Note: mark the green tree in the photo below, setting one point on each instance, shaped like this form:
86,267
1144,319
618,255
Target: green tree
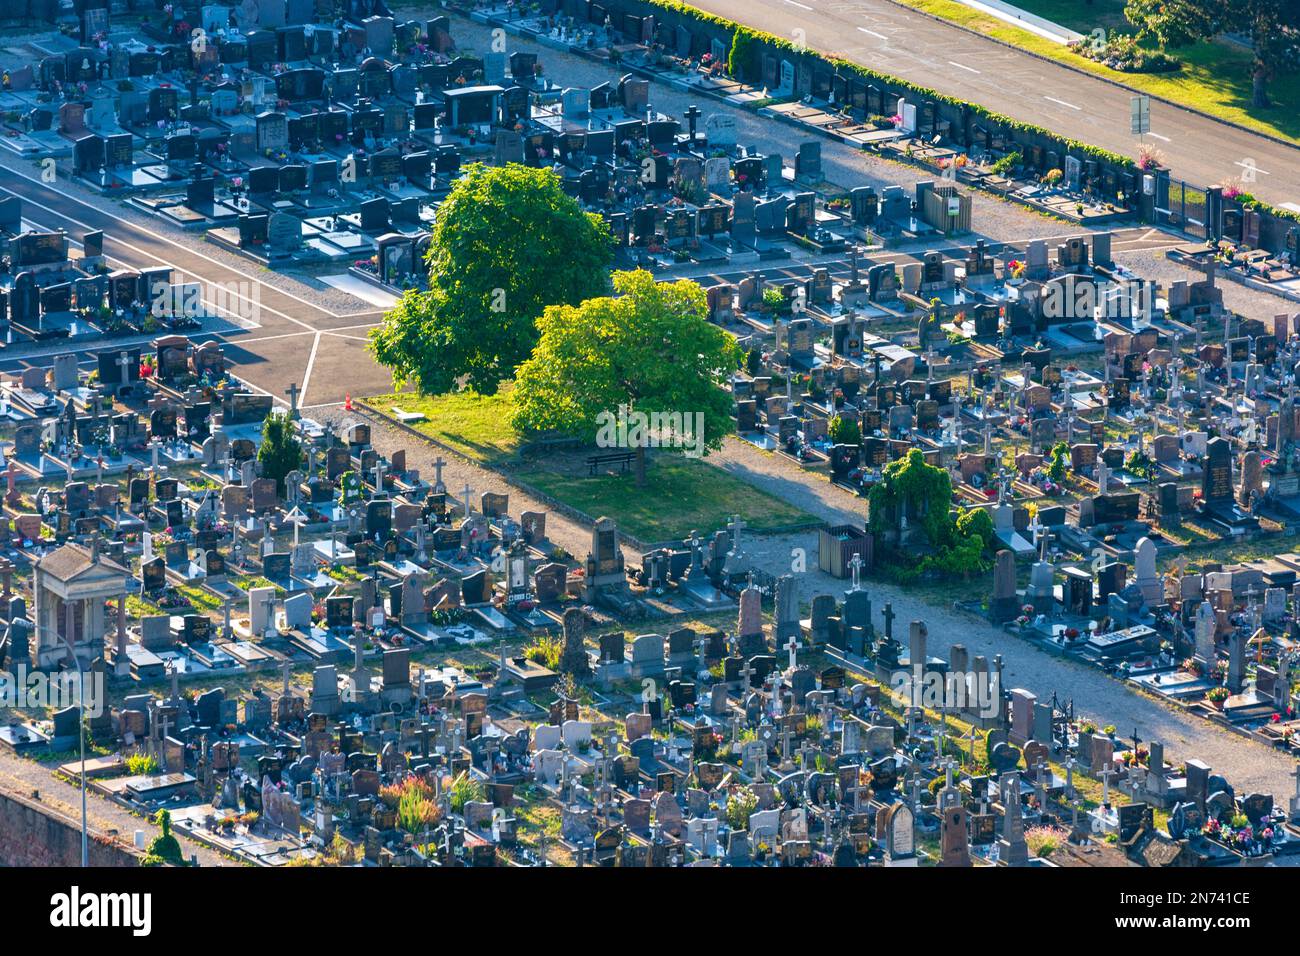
508,242
281,451
844,431
1273,27
650,349
1057,466
164,848
959,540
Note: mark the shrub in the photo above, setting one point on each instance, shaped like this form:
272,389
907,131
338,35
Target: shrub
740,805
1007,163
1121,52
164,848
546,651
142,765
465,789
1044,841
844,431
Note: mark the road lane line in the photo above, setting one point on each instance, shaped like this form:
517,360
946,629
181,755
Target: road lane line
1252,166
311,361
963,66
161,238
1062,102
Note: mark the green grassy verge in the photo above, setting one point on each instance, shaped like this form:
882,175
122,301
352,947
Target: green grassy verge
680,494
1215,78
473,425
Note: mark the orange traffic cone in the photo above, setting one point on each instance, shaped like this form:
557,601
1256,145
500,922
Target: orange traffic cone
347,402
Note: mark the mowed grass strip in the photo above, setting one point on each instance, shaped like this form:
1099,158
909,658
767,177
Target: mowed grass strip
680,494
477,426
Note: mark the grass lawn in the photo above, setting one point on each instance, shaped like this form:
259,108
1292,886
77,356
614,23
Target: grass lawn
680,495
1215,78
472,424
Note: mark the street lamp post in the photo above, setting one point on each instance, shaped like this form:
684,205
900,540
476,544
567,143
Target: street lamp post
81,734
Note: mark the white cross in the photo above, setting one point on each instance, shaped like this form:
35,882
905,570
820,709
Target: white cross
297,519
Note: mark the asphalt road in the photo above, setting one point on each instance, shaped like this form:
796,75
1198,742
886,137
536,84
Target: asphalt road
289,338
886,37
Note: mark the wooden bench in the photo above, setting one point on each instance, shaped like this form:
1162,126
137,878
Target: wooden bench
622,459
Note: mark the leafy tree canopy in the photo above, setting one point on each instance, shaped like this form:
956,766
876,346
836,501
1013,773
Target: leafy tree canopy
1273,27
649,348
507,243
281,451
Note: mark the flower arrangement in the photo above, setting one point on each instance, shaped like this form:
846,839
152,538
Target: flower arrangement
1149,157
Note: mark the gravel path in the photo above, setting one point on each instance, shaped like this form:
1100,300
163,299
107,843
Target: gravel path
25,776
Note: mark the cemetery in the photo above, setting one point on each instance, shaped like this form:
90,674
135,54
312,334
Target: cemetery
351,663
319,649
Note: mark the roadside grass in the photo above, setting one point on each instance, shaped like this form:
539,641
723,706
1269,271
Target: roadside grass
1215,78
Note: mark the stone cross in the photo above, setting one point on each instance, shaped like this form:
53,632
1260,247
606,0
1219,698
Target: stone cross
735,526
1105,786
438,486
124,363
792,646
467,491
855,567
293,391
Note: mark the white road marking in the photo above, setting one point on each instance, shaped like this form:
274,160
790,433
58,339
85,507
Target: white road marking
963,66
796,3
1158,136
311,361
1062,102
171,242
873,33
1252,166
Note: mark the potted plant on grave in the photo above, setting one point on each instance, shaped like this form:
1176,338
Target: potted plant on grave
1217,696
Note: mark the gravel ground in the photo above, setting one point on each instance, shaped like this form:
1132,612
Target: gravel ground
24,776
